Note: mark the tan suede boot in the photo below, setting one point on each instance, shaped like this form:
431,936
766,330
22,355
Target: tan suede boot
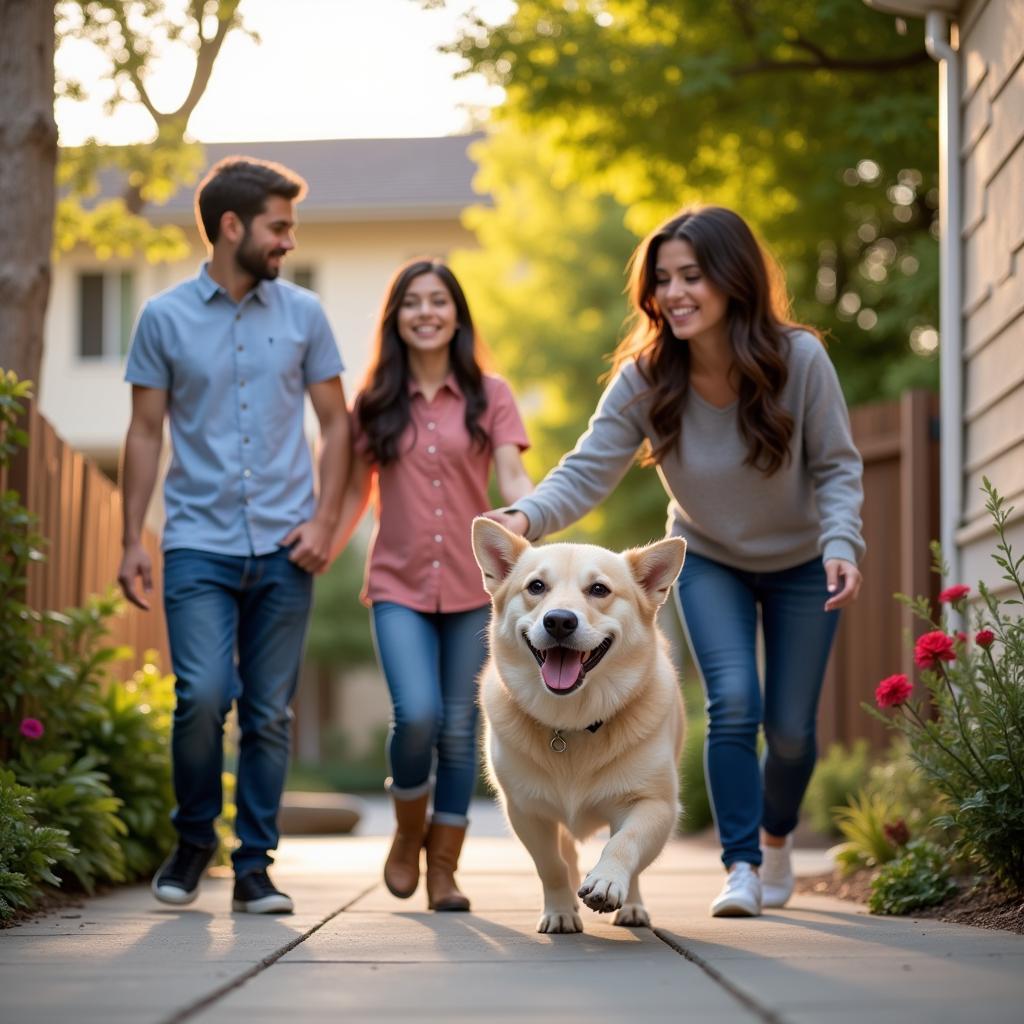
402,867
444,844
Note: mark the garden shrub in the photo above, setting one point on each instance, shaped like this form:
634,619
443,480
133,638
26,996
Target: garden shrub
919,877
837,776
972,751
28,851
868,824
693,792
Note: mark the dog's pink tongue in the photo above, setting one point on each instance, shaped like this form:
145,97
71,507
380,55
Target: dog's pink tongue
562,667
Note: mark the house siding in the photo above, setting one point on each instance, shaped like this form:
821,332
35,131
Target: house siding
992,154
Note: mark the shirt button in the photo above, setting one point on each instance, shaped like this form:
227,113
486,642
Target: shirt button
241,383
431,426
432,449
247,473
436,564
437,483
245,405
438,512
437,537
245,440
238,316
241,348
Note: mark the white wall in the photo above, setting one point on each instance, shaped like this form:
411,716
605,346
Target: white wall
89,403
992,98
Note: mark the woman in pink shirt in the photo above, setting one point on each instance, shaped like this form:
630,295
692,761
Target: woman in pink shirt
427,426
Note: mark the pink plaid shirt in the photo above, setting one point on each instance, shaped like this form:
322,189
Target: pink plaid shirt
420,555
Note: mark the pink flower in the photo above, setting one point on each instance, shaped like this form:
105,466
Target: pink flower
892,691
984,638
31,728
955,593
933,647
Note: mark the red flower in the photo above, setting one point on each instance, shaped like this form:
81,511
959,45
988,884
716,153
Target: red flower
892,691
933,647
955,593
984,638
897,832
31,728
961,636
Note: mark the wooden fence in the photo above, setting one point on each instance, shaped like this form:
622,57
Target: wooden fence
79,510
899,444
79,514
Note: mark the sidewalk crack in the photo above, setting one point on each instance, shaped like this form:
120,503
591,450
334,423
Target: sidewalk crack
761,1012
188,1012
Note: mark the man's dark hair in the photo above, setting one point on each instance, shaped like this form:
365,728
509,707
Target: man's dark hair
242,185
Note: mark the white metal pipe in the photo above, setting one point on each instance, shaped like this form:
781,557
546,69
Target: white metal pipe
950,278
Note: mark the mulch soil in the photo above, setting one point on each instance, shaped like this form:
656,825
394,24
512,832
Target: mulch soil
976,903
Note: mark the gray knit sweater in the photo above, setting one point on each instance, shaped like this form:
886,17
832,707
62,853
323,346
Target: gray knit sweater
727,511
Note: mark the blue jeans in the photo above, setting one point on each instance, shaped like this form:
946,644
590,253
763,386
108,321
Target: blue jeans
236,627
719,608
431,661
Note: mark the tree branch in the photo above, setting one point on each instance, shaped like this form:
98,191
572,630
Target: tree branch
824,62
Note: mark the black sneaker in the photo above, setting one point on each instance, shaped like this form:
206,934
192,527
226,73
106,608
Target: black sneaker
177,881
255,894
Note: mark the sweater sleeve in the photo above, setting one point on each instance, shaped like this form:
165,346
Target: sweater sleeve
590,472
833,462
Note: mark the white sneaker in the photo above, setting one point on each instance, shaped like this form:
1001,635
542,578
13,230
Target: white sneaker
777,879
741,894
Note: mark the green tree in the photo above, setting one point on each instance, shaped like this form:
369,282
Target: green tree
816,119
547,292
129,33
129,36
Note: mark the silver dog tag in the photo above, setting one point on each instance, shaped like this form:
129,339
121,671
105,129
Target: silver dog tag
558,744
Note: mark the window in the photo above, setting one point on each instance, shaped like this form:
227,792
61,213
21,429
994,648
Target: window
303,276
106,313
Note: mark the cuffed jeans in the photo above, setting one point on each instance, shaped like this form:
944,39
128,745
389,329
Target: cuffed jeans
431,661
719,608
236,627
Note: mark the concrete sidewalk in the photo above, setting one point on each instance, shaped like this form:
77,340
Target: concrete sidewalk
352,952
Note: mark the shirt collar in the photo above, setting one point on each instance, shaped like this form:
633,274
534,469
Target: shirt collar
449,382
208,288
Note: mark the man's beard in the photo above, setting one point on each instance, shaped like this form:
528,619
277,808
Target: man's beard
254,263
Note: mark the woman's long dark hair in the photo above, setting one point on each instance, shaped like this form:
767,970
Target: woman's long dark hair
383,407
730,257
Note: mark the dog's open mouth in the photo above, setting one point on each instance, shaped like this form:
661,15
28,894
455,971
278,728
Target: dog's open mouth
563,668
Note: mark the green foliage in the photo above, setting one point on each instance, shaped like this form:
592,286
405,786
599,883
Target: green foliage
76,796
972,751
342,772
127,36
546,288
131,738
920,877
693,792
911,796
92,750
339,629
28,852
816,120
862,823
837,776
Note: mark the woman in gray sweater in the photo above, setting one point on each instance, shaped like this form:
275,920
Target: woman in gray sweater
742,415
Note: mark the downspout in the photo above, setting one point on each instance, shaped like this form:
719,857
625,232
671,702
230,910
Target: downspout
950,301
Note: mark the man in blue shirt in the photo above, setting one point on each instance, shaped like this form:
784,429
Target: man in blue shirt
228,358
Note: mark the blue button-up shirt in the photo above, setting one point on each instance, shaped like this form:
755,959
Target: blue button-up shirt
241,476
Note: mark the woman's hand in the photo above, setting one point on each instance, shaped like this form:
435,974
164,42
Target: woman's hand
514,522
843,579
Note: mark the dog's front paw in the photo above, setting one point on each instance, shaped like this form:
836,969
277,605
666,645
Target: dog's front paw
633,915
560,923
602,894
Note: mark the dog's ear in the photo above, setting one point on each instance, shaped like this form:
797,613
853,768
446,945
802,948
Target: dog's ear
656,566
496,551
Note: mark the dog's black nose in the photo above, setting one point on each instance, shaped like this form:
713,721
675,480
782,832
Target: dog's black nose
561,623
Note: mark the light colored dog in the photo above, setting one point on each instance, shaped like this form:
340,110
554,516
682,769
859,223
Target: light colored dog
584,719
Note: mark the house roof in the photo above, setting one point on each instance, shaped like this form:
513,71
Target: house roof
355,179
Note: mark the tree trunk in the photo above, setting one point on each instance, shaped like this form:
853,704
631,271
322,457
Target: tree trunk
28,161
